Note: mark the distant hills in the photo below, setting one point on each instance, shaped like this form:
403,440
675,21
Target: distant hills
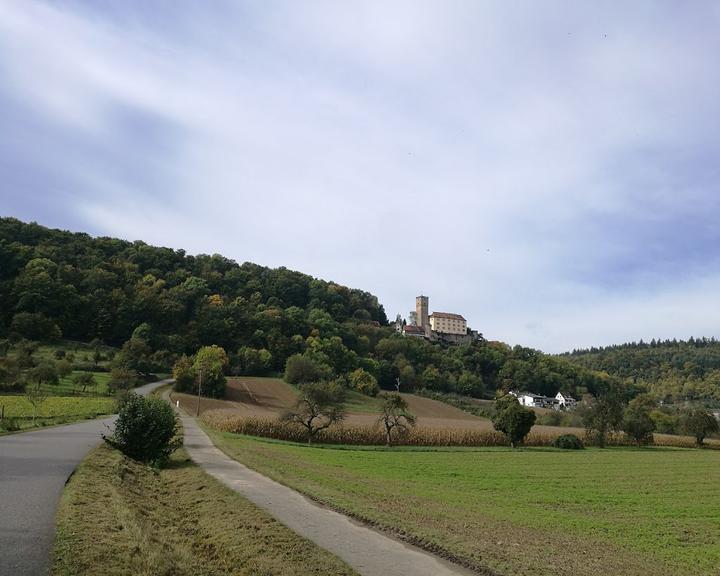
670,369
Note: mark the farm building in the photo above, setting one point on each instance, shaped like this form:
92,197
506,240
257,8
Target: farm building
565,402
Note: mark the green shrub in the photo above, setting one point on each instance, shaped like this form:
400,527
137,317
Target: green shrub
568,442
512,419
146,430
300,369
363,382
9,424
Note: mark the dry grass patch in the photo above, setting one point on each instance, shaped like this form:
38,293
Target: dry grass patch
118,517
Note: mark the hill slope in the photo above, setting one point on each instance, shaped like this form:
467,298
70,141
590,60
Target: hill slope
163,303
670,369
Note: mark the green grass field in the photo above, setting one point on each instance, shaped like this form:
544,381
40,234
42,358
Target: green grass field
66,386
54,410
533,511
120,518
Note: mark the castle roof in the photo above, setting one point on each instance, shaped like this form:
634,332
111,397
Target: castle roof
413,329
447,315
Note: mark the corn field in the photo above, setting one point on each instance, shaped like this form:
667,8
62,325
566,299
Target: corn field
225,421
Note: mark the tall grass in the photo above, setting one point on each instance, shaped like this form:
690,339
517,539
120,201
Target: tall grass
226,421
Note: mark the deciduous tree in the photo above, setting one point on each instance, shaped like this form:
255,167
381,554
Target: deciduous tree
637,422
606,412
210,364
699,423
396,417
320,405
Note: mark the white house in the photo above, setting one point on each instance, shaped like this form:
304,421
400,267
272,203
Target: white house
565,402
532,400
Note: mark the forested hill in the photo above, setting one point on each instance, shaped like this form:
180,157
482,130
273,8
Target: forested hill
670,369
160,304
104,288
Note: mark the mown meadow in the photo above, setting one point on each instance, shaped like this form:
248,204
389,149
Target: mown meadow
539,511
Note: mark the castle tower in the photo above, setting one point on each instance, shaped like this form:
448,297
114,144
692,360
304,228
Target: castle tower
422,307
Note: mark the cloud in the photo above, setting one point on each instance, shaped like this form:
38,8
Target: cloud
548,171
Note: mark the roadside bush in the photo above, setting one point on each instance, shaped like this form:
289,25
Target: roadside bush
146,430
568,442
9,424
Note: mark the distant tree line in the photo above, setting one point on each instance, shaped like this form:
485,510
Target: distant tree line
671,370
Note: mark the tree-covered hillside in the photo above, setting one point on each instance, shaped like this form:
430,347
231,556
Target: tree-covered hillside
160,304
105,288
669,369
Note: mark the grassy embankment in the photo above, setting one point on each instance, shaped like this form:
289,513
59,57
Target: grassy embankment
118,517
618,511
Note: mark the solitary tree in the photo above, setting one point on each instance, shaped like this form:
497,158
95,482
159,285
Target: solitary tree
395,415
699,423
122,379
64,368
45,373
320,405
637,422
96,345
512,419
36,397
84,379
605,413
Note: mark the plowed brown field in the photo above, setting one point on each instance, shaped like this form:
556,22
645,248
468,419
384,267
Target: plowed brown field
268,397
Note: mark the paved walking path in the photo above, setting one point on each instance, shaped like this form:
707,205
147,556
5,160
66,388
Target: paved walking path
34,467
369,552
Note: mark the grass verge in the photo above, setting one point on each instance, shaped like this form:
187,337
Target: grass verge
118,517
620,511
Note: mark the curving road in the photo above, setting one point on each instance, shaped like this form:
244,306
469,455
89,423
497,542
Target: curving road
34,467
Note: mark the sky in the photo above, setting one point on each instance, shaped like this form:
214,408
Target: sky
549,170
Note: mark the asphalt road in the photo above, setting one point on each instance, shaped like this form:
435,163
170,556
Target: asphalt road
34,467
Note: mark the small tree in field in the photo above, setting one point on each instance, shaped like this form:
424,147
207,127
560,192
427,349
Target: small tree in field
637,422
605,413
36,397
395,416
321,404
512,419
698,423
122,379
83,380
45,373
